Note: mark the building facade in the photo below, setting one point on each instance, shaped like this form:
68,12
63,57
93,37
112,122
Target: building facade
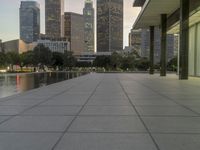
135,39
74,32
88,14
144,51
139,39
29,21
55,45
18,46
54,18
109,25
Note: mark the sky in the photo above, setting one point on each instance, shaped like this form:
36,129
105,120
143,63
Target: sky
9,14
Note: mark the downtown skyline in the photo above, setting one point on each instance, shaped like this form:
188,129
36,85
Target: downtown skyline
9,28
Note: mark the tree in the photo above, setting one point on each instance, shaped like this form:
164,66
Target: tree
128,62
69,60
142,64
2,59
12,59
57,60
84,64
22,61
103,61
42,55
172,64
28,58
116,60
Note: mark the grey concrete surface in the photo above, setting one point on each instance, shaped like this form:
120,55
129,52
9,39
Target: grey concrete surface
104,112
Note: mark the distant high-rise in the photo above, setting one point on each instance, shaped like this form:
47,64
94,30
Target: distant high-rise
139,39
88,14
29,21
54,18
74,32
109,25
135,39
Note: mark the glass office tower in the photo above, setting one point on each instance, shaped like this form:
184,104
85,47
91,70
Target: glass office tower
29,21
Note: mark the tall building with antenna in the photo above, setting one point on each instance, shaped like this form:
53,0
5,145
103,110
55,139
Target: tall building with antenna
88,14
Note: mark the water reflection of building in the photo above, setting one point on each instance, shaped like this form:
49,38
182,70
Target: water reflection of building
29,21
25,82
54,13
88,13
74,32
109,25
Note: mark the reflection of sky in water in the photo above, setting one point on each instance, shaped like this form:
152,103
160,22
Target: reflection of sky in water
16,83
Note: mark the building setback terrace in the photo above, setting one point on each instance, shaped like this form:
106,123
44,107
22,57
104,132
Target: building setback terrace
104,112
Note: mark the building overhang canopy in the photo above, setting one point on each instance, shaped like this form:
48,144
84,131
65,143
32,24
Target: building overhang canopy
138,3
151,11
194,18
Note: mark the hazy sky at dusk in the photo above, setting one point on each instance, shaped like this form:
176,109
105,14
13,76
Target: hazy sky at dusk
9,14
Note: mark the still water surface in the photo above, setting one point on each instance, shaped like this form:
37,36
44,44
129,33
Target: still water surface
11,84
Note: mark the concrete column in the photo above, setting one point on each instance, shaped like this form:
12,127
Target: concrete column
163,44
184,39
151,56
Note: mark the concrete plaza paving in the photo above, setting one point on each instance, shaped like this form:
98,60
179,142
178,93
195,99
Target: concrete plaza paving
104,112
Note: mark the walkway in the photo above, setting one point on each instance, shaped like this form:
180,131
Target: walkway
104,112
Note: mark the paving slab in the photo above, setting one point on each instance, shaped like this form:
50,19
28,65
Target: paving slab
108,110
173,124
28,141
195,108
36,124
110,102
178,141
67,100
12,110
164,111
53,110
20,102
157,102
100,141
107,124
3,118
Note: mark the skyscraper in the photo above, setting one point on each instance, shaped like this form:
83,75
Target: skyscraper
109,25
54,18
74,32
88,14
29,21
